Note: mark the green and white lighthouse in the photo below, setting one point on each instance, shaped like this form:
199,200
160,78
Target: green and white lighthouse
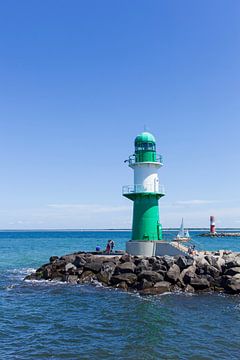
145,193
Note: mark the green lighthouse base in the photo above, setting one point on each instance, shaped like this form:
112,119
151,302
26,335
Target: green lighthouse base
152,248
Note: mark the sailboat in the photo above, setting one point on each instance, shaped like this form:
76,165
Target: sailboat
183,235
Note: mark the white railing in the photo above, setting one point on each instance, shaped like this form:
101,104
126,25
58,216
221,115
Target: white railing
147,188
132,159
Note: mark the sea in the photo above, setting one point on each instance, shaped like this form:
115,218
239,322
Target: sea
53,320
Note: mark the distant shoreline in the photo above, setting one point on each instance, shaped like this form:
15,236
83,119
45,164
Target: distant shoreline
106,230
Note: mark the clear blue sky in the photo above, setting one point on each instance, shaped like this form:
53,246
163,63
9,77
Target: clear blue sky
80,79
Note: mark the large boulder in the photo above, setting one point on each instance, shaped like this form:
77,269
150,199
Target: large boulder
151,276
199,283
233,285
70,268
79,261
129,278
168,261
72,279
232,262
173,273
187,274
189,289
87,277
47,272
159,265
59,264
53,258
184,261
200,261
106,272
122,285
232,271
125,258
144,284
127,267
220,263
94,266
213,271
68,258
159,288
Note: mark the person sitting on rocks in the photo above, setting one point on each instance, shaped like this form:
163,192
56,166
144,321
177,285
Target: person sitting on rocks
190,250
98,248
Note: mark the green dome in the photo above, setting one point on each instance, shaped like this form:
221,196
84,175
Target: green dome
145,137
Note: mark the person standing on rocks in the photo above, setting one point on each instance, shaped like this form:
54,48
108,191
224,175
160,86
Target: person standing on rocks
108,247
112,244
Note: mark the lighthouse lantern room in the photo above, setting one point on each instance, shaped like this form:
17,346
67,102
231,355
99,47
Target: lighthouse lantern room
145,193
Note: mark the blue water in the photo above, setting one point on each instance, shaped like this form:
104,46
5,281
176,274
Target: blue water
42,320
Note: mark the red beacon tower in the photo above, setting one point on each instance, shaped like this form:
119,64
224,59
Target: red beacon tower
212,225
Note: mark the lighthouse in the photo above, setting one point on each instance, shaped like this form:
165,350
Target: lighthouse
212,225
145,194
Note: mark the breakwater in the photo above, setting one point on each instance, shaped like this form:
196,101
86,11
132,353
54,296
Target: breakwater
213,271
222,234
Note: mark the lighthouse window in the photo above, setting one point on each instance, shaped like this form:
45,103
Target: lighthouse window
145,147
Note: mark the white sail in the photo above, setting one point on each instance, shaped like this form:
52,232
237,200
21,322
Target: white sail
181,232
187,234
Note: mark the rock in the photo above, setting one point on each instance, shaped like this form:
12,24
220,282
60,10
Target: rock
187,274
151,260
168,261
159,288
144,284
161,272
184,261
216,283
220,263
199,283
122,285
236,277
79,261
201,261
59,264
189,289
125,258
158,265
53,258
68,258
233,285
87,277
94,266
106,272
212,260
47,273
69,267
72,279
173,273
233,262
163,268
129,278
211,270
233,271
140,268
138,260
151,276
127,267
163,284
